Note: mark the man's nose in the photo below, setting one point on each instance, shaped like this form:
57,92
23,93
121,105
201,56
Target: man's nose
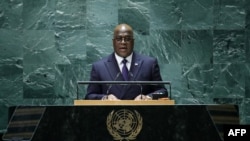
123,40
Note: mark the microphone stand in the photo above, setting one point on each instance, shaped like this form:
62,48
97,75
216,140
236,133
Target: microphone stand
124,83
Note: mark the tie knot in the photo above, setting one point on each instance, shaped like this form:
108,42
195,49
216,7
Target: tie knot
124,61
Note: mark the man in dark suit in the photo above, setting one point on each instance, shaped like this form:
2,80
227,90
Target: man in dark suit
124,60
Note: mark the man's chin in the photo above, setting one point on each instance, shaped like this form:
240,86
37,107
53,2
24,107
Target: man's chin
123,55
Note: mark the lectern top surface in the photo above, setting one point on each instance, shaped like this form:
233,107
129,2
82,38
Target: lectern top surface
123,102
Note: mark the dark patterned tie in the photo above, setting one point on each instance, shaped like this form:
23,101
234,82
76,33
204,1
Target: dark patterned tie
125,70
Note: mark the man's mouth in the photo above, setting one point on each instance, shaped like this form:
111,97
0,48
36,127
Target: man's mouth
123,48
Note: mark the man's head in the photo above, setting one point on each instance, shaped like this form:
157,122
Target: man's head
123,40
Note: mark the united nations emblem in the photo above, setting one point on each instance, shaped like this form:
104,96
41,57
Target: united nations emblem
124,124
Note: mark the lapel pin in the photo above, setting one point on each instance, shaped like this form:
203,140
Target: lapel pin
136,64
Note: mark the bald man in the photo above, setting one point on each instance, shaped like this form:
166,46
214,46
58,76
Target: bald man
124,65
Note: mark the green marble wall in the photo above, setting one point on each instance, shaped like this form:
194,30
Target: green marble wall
47,45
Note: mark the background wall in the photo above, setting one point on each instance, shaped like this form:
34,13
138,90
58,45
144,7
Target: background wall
47,45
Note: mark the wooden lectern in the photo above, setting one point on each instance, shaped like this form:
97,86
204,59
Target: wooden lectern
123,102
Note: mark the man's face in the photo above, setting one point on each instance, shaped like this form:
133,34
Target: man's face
123,42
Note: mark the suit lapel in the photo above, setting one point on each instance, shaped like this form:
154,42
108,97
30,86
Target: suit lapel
135,66
113,69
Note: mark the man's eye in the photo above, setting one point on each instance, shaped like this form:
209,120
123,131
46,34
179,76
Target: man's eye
125,39
118,39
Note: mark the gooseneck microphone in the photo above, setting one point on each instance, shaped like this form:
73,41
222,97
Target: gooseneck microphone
140,85
110,86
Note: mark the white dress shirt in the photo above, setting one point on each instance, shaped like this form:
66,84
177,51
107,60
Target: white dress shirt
119,61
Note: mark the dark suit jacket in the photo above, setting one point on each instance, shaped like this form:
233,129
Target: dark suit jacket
143,68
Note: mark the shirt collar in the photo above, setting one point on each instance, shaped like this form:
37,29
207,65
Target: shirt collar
119,58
